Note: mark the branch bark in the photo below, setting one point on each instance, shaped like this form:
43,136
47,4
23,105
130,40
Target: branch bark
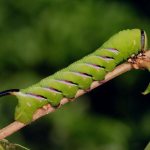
139,63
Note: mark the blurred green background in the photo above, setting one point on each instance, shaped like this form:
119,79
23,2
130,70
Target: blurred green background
39,37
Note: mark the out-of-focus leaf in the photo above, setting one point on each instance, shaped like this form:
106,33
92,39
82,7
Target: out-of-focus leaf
147,147
147,91
6,145
39,37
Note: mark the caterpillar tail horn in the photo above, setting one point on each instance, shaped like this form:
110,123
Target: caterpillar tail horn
8,92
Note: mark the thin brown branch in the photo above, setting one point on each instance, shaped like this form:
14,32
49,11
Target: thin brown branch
140,64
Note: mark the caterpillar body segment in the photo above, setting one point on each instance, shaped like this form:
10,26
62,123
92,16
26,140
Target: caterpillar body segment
79,75
27,105
82,80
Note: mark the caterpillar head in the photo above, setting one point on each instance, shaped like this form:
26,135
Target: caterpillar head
144,42
127,42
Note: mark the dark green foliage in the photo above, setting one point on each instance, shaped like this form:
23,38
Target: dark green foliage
39,37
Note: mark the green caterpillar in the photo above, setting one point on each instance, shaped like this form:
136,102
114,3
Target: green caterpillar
79,75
